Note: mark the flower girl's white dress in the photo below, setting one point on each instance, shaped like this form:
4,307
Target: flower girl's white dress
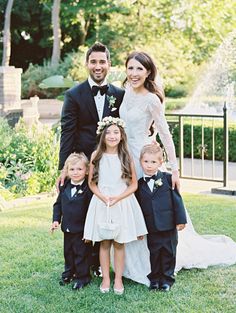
194,250
126,213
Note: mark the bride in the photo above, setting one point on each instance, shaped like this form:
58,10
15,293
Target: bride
143,104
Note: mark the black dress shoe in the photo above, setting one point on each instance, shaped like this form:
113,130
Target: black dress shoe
65,281
154,286
79,285
165,287
97,272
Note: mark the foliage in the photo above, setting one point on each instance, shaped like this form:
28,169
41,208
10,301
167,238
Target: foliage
32,262
29,160
181,35
34,76
172,104
72,68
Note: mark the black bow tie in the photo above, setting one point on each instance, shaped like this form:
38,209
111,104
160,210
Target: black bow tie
78,187
148,178
103,90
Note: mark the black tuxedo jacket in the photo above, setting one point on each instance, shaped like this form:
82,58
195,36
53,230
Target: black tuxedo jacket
163,208
79,119
71,212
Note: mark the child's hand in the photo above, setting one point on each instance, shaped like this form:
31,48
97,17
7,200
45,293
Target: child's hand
113,200
105,199
87,241
180,227
140,237
54,226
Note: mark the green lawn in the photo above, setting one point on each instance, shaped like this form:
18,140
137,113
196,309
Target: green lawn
31,262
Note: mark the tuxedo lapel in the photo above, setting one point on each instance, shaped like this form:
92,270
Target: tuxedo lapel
158,189
87,97
68,191
107,110
146,188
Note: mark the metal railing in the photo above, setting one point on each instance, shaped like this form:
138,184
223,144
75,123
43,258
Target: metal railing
199,119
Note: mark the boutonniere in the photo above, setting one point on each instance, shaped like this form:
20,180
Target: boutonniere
111,102
158,182
80,191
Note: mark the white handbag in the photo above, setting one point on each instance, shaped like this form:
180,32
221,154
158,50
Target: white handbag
108,230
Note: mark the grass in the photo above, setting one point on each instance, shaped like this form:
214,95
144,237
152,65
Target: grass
31,261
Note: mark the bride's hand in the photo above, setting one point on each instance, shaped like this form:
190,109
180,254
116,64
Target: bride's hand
175,180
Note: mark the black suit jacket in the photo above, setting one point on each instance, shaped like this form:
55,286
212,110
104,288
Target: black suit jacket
79,119
163,208
71,212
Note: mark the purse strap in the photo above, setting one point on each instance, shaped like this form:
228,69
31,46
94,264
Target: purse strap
108,212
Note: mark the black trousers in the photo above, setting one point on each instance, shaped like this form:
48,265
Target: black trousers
95,263
77,256
162,246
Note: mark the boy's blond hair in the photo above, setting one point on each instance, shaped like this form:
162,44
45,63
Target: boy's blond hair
153,148
74,158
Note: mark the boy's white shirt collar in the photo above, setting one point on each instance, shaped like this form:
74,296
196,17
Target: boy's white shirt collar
78,183
144,175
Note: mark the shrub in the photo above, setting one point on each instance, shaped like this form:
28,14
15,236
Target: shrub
33,77
72,66
29,161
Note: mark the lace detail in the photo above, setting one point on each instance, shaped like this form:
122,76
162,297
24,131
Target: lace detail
138,112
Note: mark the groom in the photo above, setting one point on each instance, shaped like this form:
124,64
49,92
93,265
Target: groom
84,105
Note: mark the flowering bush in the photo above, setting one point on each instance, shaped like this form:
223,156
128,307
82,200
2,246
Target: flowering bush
28,159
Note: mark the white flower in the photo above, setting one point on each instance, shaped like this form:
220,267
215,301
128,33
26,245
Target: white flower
112,102
158,182
107,121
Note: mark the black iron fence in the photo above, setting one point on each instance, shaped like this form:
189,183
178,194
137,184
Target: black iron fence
206,122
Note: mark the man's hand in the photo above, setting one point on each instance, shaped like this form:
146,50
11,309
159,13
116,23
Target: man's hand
175,180
60,180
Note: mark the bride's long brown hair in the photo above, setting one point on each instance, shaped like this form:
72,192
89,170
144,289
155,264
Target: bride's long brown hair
123,155
149,65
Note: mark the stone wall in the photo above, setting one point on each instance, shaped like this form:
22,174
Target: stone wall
10,88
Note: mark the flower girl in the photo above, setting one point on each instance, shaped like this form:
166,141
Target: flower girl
114,215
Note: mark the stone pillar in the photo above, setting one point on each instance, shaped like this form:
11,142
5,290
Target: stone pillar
30,111
10,89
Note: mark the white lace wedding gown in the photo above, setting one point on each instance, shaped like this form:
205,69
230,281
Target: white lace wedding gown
194,250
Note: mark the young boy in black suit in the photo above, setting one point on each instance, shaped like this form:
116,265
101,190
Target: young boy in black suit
164,213
70,210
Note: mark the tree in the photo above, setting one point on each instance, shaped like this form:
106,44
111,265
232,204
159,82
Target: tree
7,35
56,52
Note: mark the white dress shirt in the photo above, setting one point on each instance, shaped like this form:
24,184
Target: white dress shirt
99,99
73,190
151,182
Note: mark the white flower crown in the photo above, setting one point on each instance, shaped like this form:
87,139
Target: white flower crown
107,121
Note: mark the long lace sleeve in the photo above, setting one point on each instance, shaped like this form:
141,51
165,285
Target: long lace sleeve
157,111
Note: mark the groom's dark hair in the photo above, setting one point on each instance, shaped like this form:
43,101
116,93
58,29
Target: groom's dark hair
98,47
